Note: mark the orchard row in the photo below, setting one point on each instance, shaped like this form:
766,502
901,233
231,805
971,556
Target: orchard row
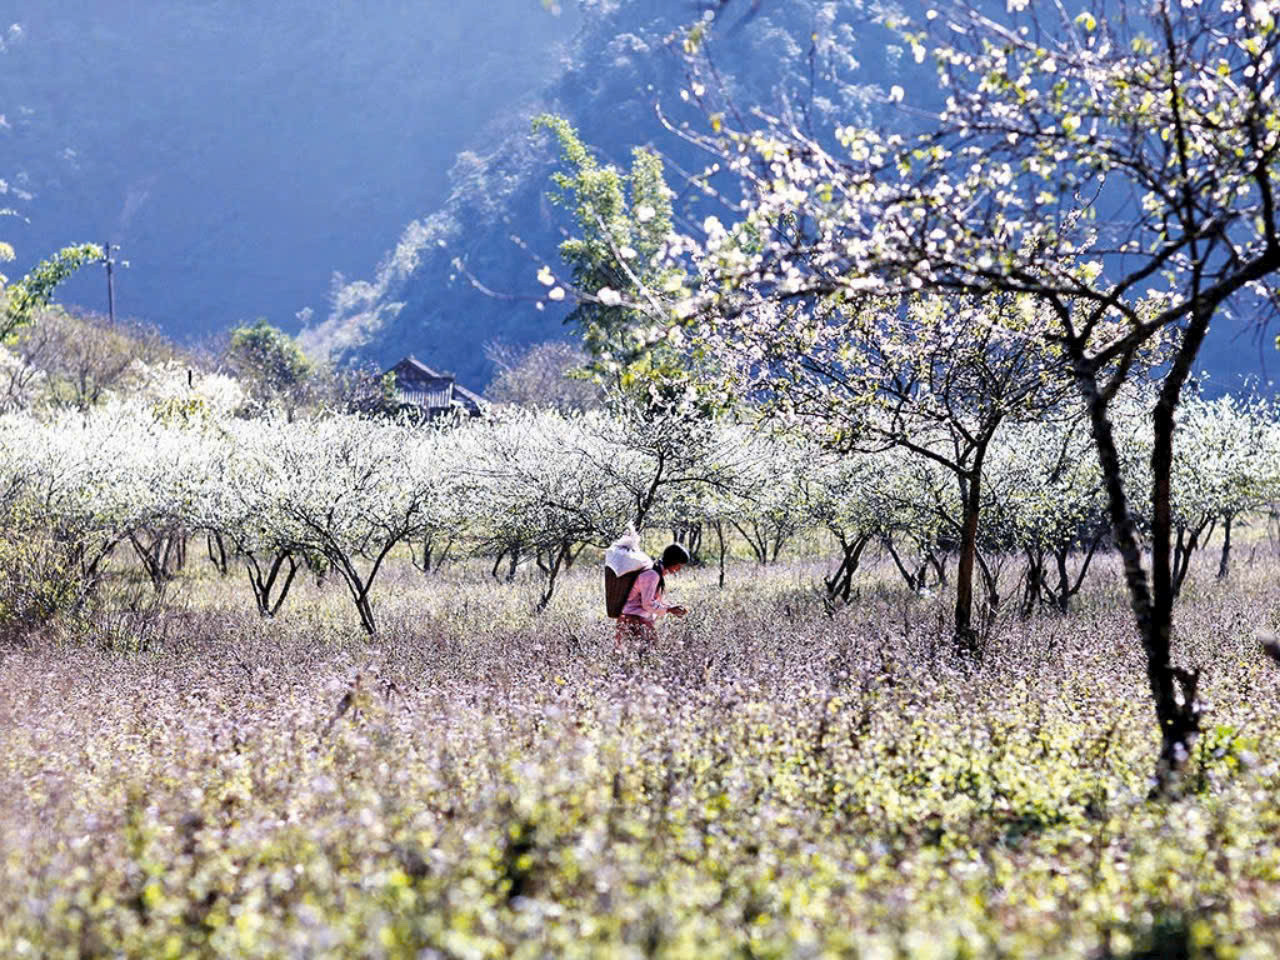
534,488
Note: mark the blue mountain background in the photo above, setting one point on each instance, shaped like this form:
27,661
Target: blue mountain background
357,173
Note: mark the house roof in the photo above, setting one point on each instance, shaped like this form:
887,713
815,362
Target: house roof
476,399
419,384
413,365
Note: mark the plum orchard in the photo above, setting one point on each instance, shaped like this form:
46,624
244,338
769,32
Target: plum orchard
1111,174
531,489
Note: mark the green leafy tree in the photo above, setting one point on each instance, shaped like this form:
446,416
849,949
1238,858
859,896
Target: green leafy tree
271,364
622,274
24,299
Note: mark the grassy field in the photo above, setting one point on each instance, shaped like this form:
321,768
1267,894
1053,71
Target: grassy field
769,781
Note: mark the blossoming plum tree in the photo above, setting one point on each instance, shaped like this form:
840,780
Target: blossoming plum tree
937,377
1227,463
347,489
83,484
1120,167
852,497
531,487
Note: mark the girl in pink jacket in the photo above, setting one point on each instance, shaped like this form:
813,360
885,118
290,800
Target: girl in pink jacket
636,623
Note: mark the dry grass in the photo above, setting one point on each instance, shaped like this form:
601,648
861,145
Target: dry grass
767,781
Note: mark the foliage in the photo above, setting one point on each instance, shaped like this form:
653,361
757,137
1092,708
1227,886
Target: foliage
548,376
39,581
23,299
270,364
619,261
71,360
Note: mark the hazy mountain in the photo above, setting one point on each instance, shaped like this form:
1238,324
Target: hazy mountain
242,154
624,62
833,62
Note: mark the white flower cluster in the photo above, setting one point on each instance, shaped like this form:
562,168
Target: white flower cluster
536,486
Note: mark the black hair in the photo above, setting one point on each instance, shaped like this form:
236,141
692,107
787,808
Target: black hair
674,554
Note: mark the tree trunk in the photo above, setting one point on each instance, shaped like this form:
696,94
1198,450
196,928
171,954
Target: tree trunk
966,638
690,537
263,584
365,610
695,544
912,581
1179,719
434,554
1184,547
645,500
1152,602
839,584
1224,563
155,555
1034,593
720,538
1066,589
359,586
759,547
556,558
512,556
90,566
217,552
778,543
939,565
991,594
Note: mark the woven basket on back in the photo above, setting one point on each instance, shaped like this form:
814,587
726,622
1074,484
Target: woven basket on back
623,562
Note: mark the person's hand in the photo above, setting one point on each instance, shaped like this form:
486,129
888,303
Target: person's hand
677,611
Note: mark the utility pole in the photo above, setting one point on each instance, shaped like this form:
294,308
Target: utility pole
111,285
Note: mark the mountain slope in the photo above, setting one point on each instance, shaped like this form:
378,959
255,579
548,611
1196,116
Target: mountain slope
623,63
241,153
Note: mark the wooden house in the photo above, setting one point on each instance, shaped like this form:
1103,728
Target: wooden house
433,394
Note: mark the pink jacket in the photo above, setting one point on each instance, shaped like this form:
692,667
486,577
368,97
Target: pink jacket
644,601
